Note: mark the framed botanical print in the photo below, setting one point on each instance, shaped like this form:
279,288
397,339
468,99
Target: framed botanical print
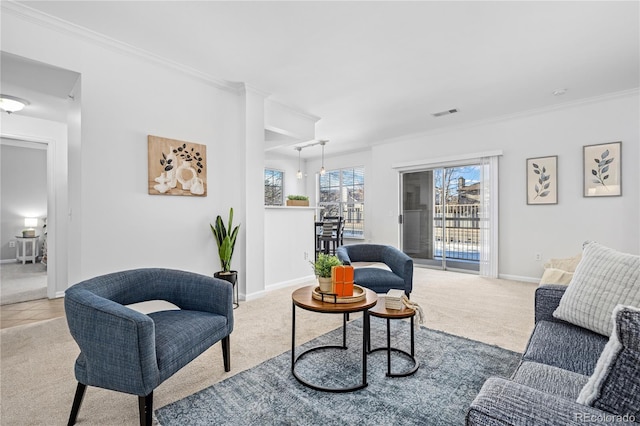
542,180
602,175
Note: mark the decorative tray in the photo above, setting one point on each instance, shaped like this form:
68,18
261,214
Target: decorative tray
358,295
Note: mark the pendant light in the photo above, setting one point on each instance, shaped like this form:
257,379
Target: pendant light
322,170
299,174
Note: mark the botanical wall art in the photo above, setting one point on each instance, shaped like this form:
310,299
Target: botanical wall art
177,167
542,180
602,170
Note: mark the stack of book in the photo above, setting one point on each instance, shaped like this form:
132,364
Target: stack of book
342,277
393,300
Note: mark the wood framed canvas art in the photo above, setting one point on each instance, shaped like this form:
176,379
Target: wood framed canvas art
602,175
176,167
542,180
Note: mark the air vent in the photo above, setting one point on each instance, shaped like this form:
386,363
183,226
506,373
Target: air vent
447,112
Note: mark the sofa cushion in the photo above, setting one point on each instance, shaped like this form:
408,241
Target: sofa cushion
565,346
603,279
615,383
549,379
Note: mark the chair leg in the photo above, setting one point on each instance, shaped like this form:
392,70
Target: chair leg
226,354
77,402
145,405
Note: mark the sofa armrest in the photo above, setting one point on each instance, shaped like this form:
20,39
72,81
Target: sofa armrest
547,300
503,402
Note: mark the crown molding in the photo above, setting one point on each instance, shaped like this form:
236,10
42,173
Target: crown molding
35,16
294,110
506,117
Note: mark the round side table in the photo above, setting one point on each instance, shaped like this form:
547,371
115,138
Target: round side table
380,311
302,298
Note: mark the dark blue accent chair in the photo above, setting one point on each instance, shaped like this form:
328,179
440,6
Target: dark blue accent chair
377,279
127,351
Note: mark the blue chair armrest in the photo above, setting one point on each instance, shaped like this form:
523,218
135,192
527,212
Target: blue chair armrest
118,341
401,264
343,255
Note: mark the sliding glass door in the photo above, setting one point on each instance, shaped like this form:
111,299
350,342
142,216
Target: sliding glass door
441,216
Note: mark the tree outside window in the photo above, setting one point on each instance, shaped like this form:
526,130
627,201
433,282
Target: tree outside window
342,194
273,187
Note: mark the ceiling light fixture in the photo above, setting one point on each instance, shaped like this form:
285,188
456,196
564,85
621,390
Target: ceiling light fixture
322,170
559,92
12,104
299,174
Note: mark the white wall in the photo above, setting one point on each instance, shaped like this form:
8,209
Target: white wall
289,245
289,165
552,230
125,97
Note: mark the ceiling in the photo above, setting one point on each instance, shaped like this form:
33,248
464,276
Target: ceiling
46,87
378,70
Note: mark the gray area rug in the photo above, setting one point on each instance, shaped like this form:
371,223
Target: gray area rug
452,371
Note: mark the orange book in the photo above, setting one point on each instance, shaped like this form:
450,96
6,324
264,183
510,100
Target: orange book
342,280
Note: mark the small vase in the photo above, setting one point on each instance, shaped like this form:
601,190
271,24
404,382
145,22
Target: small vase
185,175
197,186
326,286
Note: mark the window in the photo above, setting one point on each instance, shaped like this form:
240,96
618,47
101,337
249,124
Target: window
273,187
341,193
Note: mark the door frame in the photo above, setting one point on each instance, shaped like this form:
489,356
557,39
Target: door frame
488,262
56,243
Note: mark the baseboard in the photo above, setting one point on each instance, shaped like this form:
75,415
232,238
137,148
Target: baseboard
8,261
519,278
258,294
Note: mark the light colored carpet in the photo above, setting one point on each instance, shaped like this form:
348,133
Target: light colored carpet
19,283
36,360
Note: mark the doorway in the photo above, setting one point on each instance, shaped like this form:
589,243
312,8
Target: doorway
24,205
440,219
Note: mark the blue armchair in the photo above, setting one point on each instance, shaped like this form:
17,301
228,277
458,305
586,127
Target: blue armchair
128,351
378,279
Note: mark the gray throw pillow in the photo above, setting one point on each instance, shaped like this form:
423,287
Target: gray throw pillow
615,384
603,279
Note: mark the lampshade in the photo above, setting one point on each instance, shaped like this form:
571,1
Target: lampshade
30,222
12,104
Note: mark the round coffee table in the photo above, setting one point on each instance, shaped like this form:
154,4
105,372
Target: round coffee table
380,311
302,298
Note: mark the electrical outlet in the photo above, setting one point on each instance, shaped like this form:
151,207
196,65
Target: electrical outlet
538,256
306,255
12,243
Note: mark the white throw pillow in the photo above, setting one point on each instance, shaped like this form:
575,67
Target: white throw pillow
603,279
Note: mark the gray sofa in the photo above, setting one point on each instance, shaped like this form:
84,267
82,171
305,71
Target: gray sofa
557,363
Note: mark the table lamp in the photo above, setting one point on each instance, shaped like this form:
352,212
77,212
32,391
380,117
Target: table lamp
30,223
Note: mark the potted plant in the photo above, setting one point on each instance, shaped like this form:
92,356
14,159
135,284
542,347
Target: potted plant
226,240
297,200
322,268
